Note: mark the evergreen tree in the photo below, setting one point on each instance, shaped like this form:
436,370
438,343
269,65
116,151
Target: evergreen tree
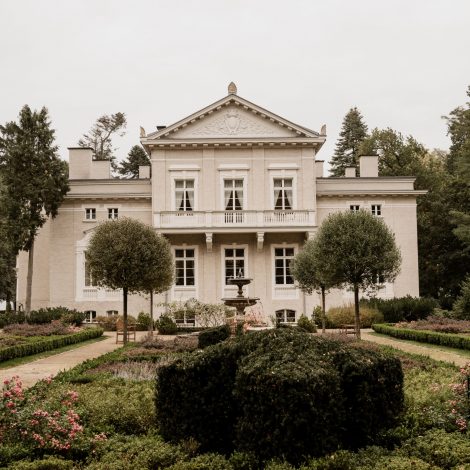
135,158
347,150
100,136
35,181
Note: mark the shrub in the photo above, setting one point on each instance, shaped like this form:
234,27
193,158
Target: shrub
108,323
48,463
8,318
12,452
461,306
439,324
223,396
73,317
143,321
403,308
204,462
306,324
344,315
46,315
166,325
424,336
24,329
213,336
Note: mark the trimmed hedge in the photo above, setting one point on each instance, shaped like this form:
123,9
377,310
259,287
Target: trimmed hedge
213,336
279,393
403,308
48,344
423,336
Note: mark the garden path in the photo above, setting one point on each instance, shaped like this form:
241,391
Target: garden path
432,351
32,372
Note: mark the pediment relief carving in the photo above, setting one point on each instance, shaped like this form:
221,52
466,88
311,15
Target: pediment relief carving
233,121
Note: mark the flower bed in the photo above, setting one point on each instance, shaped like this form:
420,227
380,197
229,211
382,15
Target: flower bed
458,341
438,324
39,344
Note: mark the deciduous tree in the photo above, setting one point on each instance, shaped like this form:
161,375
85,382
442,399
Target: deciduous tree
35,180
355,249
127,254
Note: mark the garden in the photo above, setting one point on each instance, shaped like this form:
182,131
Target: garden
232,405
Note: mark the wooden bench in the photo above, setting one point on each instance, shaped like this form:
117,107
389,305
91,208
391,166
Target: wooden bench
120,332
347,329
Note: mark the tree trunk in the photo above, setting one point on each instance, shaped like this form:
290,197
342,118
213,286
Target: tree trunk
323,311
124,294
357,318
151,315
29,280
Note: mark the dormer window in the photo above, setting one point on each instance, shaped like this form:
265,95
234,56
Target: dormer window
184,195
283,194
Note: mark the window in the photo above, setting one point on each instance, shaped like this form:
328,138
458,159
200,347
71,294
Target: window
89,281
90,213
376,209
184,264
184,195
234,263
112,313
285,316
354,207
113,213
90,316
233,194
282,260
283,194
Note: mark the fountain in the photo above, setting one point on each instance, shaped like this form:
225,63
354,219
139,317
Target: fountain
240,302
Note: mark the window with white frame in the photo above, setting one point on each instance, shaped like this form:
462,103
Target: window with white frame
112,313
376,209
89,281
184,264
90,316
282,259
285,315
354,207
233,194
234,262
113,213
184,195
283,194
90,213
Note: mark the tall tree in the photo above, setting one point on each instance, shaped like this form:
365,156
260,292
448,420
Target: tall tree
35,179
136,157
127,254
347,151
99,138
309,277
355,249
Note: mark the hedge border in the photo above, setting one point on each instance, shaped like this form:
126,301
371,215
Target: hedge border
48,344
450,340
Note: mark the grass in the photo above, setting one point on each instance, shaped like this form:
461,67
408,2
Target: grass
26,359
459,352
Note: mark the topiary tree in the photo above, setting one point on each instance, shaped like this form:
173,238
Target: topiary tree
355,249
127,254
309,277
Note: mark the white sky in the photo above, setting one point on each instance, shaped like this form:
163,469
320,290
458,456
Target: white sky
403,63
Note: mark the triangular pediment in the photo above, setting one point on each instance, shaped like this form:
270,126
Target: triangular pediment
231,118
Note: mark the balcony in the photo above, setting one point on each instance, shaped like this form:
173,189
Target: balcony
234,219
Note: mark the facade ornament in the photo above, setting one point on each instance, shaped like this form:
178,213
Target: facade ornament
323,130
232,88
142,132
209,242
260,240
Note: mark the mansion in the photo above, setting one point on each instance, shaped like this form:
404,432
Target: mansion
237,190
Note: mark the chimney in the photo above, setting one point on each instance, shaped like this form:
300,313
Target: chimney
100,170
350,172
144,172
160,128
319,168
80,161
369,166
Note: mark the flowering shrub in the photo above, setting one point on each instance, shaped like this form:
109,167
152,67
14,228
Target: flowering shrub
437,323
56,327
460,403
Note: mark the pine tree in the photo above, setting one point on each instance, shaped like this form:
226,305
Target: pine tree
35,181
353,132
135,158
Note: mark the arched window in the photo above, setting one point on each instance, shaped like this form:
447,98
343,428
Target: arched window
285,316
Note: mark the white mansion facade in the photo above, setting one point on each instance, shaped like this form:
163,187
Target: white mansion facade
237,190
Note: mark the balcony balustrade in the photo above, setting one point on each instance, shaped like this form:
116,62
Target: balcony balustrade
234,219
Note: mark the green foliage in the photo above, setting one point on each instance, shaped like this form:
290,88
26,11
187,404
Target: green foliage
108,323
344,315
47,463
48,344
462,304
7,253
136,157
144,321
306,324
46,315
166,325
12,452
347,150
347,397
442,339
213,336
8,318
100,136
203,462
402,308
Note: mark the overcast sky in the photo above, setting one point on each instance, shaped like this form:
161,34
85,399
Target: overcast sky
404,64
